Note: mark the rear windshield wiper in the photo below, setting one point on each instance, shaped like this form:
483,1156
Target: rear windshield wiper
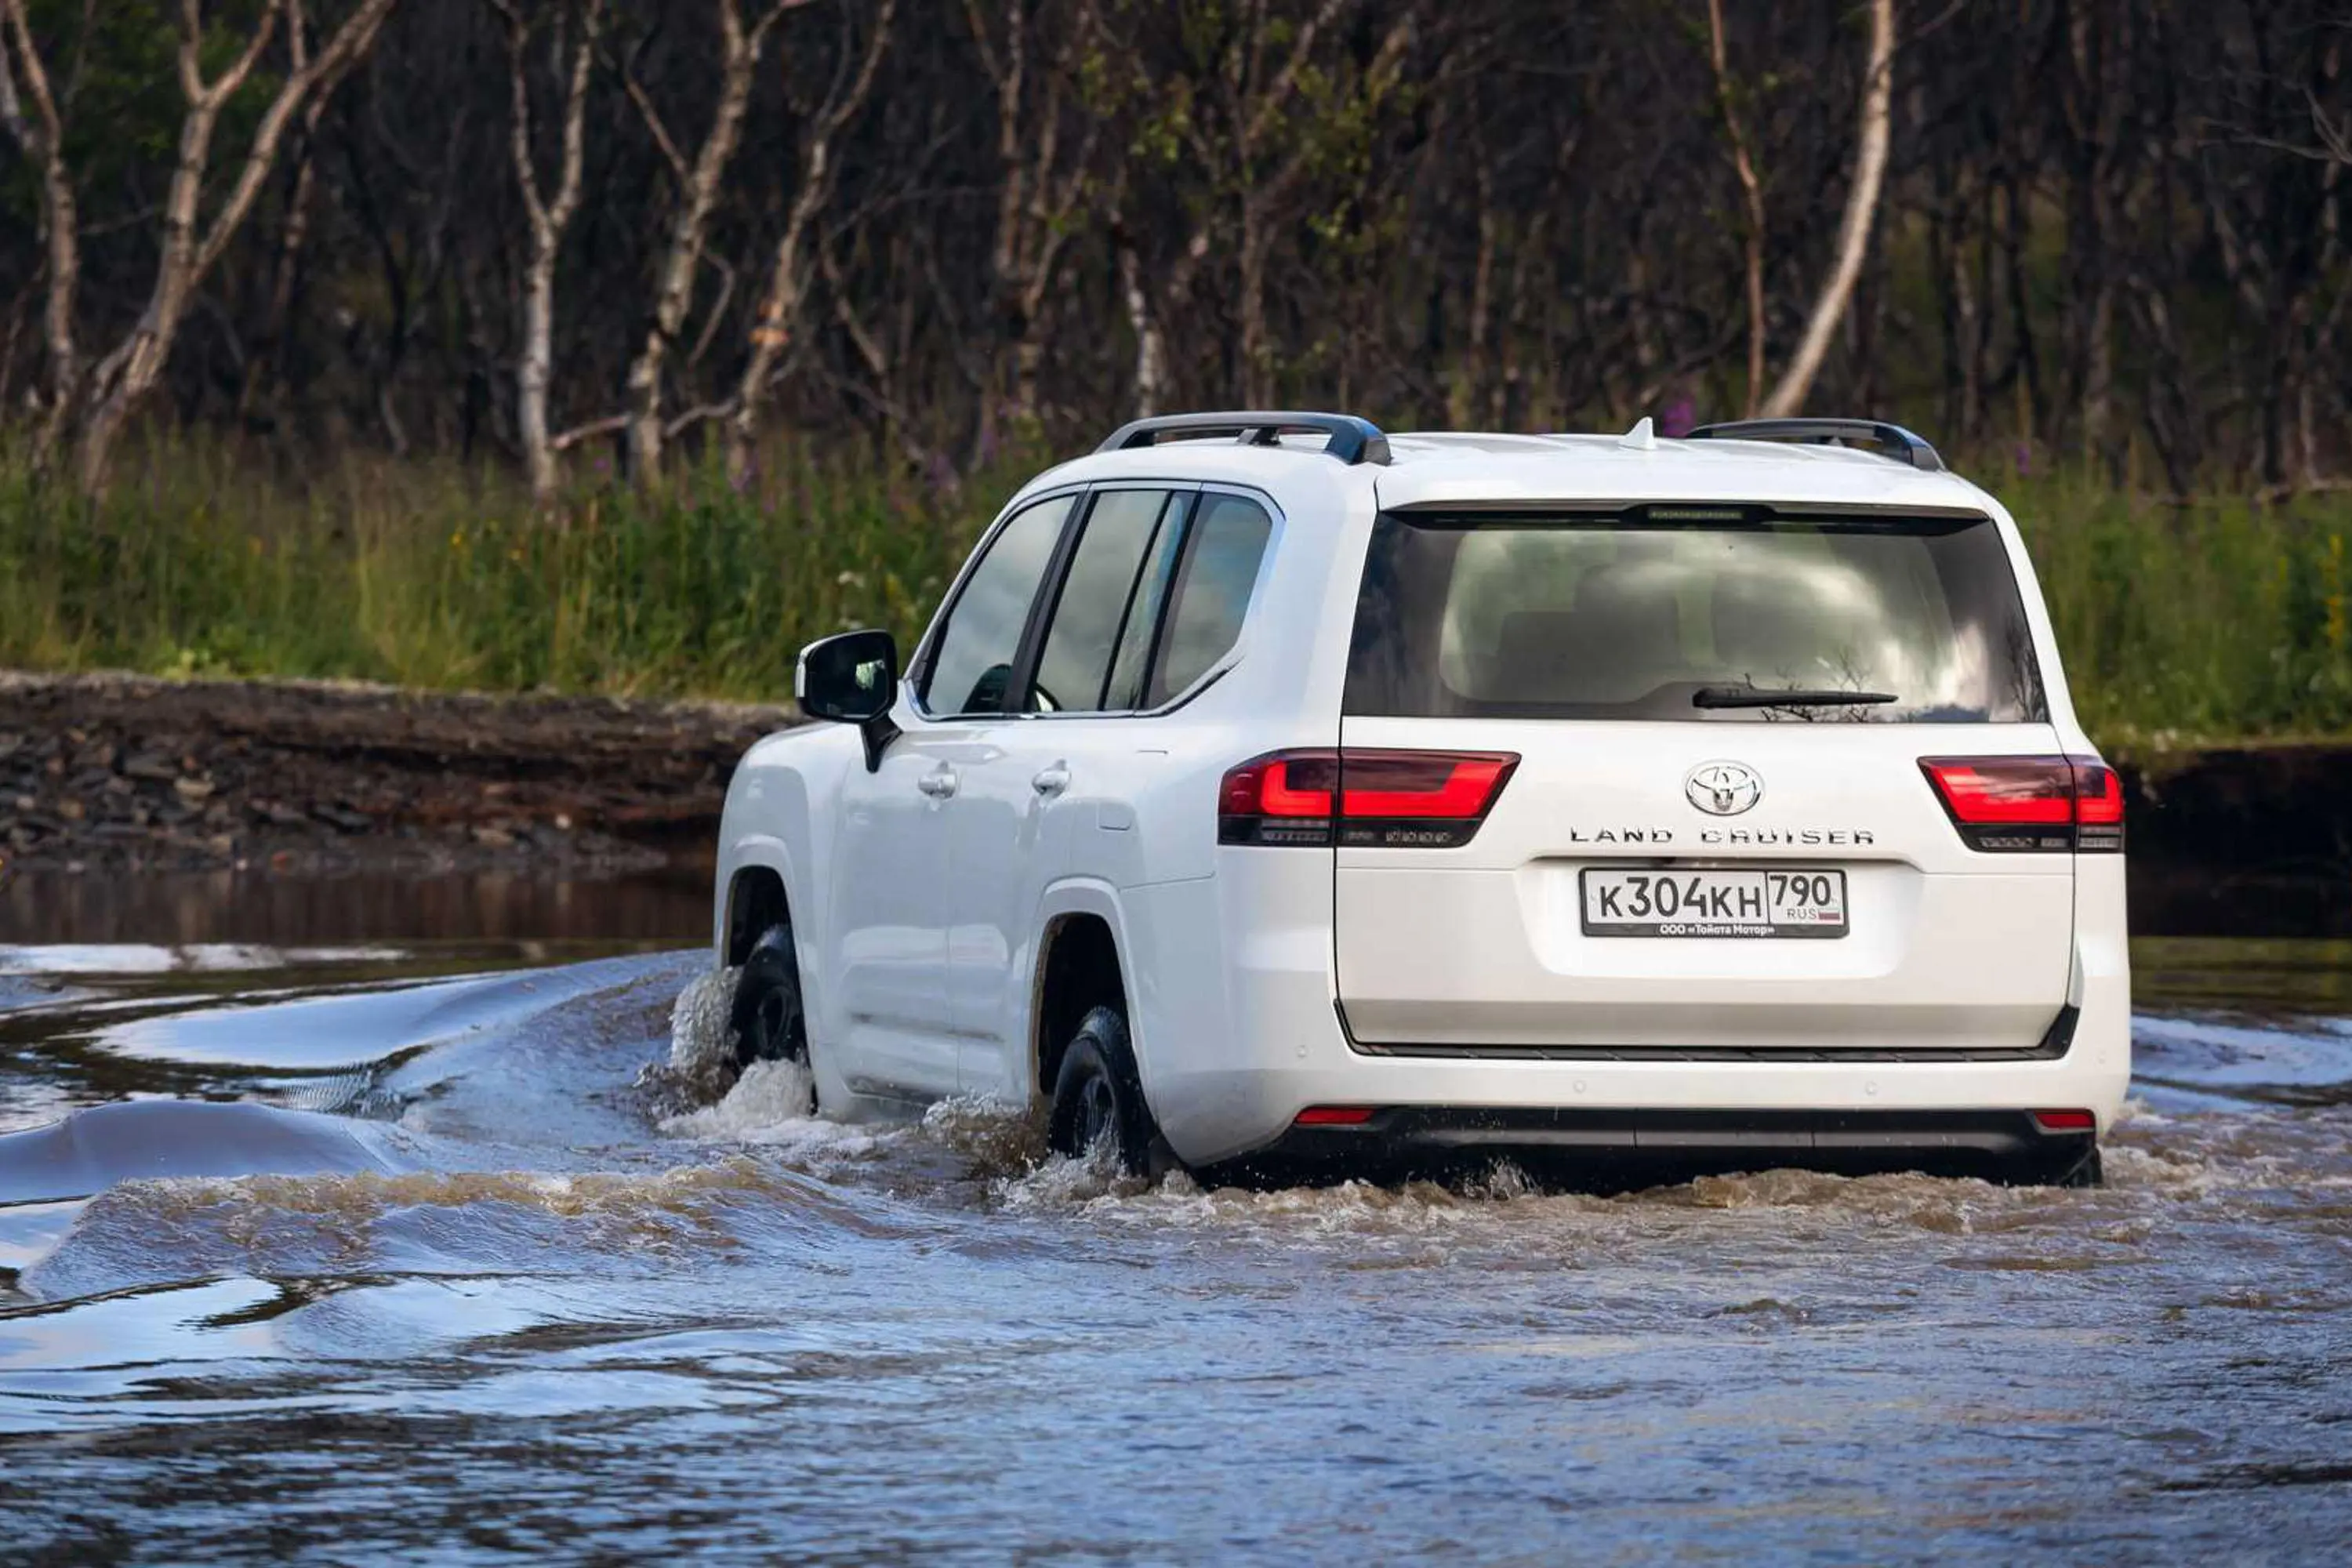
1790,696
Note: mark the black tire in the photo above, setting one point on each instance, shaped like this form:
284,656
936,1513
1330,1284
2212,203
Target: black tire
2089,1171
770,1022
1098,1093
2083,1170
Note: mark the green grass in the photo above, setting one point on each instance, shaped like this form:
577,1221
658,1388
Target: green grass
430,575
2220,619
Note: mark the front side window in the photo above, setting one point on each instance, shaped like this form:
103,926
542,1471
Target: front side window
1222,552
1866,619
1102,594
977,646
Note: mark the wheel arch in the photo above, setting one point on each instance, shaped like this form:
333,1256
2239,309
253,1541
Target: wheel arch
768,828
1083,961
757,896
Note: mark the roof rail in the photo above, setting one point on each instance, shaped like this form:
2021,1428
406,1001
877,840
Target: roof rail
1898,443
1352,440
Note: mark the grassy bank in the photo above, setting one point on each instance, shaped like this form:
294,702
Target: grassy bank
431,574
2218,619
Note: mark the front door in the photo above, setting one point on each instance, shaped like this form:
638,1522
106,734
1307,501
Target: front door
892,1024
971,683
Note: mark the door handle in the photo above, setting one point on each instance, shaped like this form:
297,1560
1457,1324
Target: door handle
1052,782
939,786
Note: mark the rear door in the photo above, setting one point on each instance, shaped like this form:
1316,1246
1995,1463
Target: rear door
1717,833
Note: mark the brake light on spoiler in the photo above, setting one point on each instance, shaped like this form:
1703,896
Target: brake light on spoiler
1361,798
2031,805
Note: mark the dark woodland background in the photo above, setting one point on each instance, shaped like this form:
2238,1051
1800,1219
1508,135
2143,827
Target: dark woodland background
2113,228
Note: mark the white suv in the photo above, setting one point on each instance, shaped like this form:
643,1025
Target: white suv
1278,797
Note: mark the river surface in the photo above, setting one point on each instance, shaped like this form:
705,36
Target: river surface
454,1252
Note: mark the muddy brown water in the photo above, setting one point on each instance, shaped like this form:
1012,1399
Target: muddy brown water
356,1247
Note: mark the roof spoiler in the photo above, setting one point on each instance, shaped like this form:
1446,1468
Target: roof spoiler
1893,439
1352,440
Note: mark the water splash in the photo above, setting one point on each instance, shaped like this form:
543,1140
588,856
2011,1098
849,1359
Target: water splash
701,1026
769,1100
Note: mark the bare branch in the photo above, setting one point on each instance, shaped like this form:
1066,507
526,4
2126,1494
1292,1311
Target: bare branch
131,369
42,137
611,424
663,141
1751,193
320,75
1853,231
780,308
698,198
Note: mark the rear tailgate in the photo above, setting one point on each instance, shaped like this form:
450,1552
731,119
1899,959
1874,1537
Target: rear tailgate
1636,665
1944,947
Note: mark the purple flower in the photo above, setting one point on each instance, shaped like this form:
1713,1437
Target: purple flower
2025,459
1679,417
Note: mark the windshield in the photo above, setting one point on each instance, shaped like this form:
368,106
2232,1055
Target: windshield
1865,620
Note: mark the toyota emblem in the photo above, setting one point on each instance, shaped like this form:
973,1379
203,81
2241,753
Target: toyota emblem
1723,789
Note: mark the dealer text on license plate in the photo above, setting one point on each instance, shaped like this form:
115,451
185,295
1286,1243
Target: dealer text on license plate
1802,903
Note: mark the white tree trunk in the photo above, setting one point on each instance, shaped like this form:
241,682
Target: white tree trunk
129,372
1751,196
698,195
779,315
42,138
1151,347
1854,232
549,217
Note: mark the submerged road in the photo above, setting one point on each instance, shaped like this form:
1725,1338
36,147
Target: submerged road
424,1251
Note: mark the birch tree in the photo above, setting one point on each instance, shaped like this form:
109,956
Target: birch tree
1853,230
1045,155
1256,111
698,182
548,212
1751,199
785,301
41,138
190,245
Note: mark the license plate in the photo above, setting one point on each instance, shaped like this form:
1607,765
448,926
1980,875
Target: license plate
1794,902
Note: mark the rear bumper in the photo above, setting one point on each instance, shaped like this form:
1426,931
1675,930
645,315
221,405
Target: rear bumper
1647,1146
1237,1031
2055,1042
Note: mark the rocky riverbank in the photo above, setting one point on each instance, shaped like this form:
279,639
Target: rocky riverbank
112,774
117,773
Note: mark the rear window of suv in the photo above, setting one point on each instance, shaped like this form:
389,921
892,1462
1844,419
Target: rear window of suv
1650,617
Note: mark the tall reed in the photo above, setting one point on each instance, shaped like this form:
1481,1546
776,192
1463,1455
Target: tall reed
2217,619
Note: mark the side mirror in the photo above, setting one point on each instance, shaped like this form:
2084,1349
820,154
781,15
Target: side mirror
851,679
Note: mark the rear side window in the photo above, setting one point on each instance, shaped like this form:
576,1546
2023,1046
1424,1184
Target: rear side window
982,634
1222,552
1126,691
1099,597
1607,618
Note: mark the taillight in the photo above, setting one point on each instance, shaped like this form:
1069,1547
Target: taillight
1384,799
2066,1122
2031,804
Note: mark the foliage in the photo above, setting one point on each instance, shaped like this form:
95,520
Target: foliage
2215,619
432,574
2115,228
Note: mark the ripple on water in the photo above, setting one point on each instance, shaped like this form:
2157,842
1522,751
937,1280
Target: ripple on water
590,1267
